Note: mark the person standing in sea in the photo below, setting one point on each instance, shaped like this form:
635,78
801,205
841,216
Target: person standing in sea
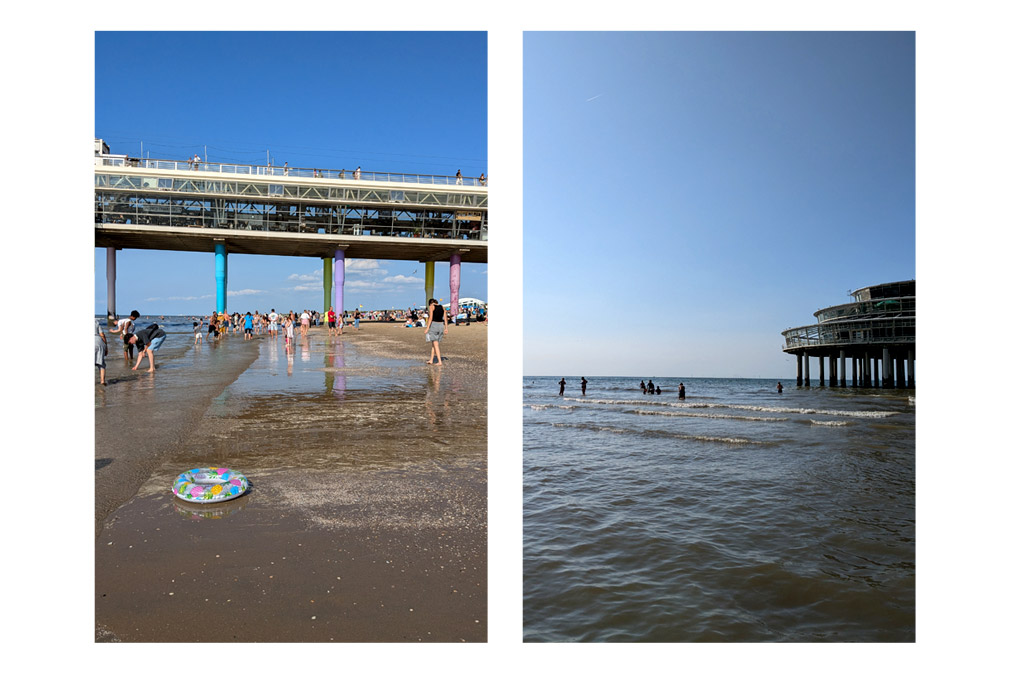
434,330
562,384
779,387
584,382
681,392
652,387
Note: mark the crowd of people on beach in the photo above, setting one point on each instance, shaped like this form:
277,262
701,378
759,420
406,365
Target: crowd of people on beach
145,341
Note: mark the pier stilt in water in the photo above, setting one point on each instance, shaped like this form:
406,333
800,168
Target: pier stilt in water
806,369
327,284
820,366
885,365
799,370
841,368
911,368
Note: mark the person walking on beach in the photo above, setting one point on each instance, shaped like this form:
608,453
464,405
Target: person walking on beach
681,392
434,330
126,327
331,321
147,341
562,384
101,350
305,322
584,382
357,318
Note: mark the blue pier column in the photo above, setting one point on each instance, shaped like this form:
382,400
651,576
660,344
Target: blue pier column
221,275
110,277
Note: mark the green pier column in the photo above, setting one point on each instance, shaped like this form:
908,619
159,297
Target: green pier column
429,282
327,284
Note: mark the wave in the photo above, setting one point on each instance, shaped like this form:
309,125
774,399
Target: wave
813,422
688,414
747,407
657,433
541,407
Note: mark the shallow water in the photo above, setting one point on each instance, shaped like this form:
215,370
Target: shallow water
738,514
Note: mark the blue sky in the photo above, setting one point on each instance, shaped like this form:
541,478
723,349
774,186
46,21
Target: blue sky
395,102
688,196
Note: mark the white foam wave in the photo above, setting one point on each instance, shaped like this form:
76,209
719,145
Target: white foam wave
688,414
813,422
747,407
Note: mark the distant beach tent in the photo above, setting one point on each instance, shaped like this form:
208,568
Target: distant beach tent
471,302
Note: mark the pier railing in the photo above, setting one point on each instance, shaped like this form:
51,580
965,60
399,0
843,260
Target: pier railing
870,332
286,171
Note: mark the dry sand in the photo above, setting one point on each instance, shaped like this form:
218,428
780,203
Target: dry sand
367,516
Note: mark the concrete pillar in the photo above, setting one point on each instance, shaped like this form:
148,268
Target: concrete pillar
867,382
876,373
832,371
820,365
221,275
911,368
885,364
429,282
453,284
841,368
110,277
806,369
799,370
899,372
338,281
327,284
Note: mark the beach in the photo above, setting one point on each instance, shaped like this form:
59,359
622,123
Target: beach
366,517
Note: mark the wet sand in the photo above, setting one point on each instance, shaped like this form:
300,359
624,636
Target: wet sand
367,513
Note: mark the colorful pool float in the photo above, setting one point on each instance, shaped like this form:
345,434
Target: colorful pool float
210,484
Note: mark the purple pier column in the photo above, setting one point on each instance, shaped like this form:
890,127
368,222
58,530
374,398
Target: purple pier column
454,284
338,281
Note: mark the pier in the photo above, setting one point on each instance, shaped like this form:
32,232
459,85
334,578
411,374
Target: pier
867,343
333,215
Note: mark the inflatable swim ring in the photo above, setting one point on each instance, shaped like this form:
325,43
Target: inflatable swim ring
210,484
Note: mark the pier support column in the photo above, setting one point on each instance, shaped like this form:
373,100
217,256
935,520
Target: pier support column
876,372
327,284
806,369
911,368
338,281
867,382
110,277
429,282
899,372
453,285
885,374
841,368
221,275
799,370
832,372
820,365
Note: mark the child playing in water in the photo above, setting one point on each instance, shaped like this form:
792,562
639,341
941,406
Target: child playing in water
196,332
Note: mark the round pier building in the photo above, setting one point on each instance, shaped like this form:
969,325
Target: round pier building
868,342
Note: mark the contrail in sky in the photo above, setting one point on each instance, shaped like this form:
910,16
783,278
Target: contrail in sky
594,97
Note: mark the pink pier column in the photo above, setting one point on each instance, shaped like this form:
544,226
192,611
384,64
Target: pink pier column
454,284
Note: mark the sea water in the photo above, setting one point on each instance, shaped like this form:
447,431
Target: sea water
736,514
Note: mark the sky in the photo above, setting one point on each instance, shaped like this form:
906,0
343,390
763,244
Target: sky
689,196
388,102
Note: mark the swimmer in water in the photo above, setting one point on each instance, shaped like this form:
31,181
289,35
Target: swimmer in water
562,384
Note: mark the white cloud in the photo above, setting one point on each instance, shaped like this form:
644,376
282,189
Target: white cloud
239,293
400,279
307,277
201,298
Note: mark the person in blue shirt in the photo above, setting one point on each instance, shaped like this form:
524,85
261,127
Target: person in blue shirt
248,325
